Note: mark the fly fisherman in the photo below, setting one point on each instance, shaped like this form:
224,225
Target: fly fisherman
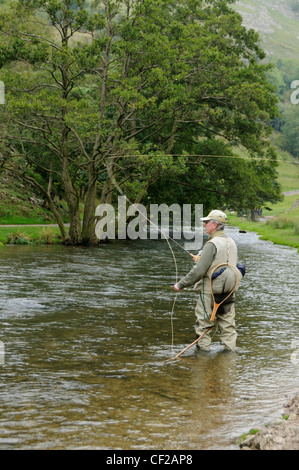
219,248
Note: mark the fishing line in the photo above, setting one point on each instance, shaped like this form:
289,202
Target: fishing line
215,308
167,238
238,157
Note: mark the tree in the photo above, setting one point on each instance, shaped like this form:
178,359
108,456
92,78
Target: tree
218,178
103,96
289,132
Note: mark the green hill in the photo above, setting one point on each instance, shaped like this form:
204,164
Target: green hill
275,20
19,204
277,23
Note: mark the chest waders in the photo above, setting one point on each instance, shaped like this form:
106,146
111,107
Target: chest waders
216,305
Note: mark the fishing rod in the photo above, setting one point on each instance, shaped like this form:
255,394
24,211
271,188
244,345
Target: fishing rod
190,345
167,238
166,235
174,241
237,157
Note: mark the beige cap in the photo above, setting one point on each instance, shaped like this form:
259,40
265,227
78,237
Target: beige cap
215,215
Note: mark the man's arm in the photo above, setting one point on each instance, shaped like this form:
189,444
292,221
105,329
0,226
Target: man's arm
199,270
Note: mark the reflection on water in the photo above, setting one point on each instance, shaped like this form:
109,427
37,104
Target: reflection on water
86,331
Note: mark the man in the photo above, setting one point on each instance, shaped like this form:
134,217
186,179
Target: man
218,249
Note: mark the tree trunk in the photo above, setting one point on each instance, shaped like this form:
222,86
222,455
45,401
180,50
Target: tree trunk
74,215
58,218
72,199
88,229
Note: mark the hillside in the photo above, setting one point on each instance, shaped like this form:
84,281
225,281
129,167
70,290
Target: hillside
19,204
277,22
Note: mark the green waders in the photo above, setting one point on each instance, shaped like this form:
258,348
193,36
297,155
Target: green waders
225,322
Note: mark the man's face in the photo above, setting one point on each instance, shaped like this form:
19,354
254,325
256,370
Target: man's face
210,227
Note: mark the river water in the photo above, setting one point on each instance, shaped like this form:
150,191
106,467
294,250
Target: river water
85,333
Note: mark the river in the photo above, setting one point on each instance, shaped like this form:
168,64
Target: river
85,332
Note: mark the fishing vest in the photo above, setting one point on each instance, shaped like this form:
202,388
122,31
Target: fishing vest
226,253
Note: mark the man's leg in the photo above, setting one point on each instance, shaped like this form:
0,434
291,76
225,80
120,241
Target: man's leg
227,327
203,312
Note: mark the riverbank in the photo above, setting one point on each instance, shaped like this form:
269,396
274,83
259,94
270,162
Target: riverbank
283,434
280,222
29,235
281,230
279,225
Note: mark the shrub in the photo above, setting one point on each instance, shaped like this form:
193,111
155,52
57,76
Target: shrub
47,236
18,238
281,222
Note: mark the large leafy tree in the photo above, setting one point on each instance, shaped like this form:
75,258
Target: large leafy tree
102,96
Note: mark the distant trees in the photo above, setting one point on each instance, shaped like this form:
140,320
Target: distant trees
285,78
114,97
294,5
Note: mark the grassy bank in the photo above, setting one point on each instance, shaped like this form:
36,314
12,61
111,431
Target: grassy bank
24,217
284,230
19,204
29,235
281,224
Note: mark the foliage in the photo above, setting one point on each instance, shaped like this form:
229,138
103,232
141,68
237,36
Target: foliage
282,76
221,179
290,137
102,97
18,238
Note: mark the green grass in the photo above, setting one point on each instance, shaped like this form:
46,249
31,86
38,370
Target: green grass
282,228
282,207
278,32
287,236
288,174
19,207
18,204
244,436
29,235
282,224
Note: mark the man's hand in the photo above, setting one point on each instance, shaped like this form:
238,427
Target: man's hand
176,288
